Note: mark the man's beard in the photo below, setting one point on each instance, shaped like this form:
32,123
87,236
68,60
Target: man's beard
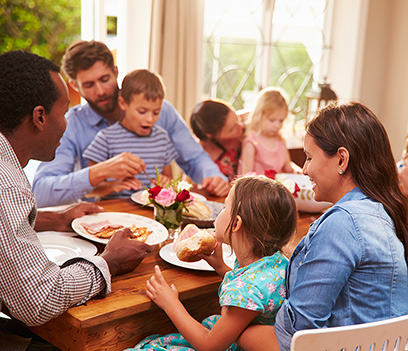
107,108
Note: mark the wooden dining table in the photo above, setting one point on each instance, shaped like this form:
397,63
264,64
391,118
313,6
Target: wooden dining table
126,316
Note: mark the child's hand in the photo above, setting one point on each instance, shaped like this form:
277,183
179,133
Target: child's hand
216,260
159,291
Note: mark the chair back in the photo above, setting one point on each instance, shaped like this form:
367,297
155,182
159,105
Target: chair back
386,335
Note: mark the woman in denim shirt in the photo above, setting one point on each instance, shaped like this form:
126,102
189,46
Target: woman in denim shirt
351,267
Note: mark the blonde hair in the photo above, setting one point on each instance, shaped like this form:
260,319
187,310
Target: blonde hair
142,81
269,100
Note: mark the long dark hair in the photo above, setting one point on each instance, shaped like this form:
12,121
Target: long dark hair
371,164
208,117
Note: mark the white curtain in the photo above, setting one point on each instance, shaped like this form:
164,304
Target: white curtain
176,50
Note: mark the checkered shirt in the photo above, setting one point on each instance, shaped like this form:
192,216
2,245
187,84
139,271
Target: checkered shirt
33,288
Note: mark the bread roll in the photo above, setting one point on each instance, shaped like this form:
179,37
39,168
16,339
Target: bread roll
197,209
192,242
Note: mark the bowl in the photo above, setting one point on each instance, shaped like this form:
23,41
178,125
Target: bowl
305,200
214,207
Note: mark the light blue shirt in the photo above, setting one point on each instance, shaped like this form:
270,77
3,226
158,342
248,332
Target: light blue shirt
350,268
66,178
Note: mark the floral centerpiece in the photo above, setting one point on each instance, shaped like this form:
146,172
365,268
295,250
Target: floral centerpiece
169,201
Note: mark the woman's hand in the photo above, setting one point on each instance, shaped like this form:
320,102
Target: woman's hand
161,293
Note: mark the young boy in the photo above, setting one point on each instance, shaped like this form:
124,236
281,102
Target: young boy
141,98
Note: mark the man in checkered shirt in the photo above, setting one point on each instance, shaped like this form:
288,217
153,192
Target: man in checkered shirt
33,101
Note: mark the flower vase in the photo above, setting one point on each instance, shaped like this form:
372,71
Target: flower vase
170,218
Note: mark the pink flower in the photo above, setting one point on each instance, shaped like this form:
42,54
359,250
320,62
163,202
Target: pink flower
166,197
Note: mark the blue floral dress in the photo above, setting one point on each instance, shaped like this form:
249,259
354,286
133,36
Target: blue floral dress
259,286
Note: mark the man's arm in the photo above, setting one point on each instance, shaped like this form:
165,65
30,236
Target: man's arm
66,178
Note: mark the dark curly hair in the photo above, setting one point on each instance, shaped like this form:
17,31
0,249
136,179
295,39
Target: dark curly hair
25,82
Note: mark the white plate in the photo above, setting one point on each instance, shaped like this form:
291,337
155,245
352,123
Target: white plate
141,197
60,248
167,254
159,234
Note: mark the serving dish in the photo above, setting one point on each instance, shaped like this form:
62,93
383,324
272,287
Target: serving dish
305,200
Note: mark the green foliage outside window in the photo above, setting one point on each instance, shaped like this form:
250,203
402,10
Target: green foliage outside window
290,66
44,27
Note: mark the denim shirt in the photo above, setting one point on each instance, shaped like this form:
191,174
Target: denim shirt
66,178
350,268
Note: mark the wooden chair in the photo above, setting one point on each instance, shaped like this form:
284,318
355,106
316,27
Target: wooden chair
386,335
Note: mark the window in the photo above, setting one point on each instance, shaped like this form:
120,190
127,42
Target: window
252,44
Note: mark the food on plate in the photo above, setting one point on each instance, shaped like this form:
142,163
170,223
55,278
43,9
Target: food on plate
140,233
99,227
105,230
192,242
197,209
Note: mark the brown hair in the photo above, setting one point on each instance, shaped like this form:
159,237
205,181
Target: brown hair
142,81
209,117
371,164
268,212
269,100
82,55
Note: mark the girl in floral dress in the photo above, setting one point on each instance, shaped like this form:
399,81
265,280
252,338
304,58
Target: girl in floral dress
258,220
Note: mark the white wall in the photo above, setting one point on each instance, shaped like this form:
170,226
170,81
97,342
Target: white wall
369,60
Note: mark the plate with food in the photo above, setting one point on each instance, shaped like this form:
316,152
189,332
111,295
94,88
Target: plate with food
202,213
99,227
141,197
190,243
60,248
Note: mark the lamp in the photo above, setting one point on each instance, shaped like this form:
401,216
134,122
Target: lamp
319,97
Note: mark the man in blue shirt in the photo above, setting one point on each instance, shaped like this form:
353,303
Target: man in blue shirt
67,178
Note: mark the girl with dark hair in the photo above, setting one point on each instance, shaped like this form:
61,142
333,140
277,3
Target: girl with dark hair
258,220
220,132
351,267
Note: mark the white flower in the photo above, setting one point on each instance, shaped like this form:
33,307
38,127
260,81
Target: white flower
183,185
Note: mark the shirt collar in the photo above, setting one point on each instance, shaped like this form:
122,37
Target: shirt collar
9,155
94,118
355,194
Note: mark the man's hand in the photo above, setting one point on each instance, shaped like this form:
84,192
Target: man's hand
60,221
123,254
112,186
124,165
216,186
